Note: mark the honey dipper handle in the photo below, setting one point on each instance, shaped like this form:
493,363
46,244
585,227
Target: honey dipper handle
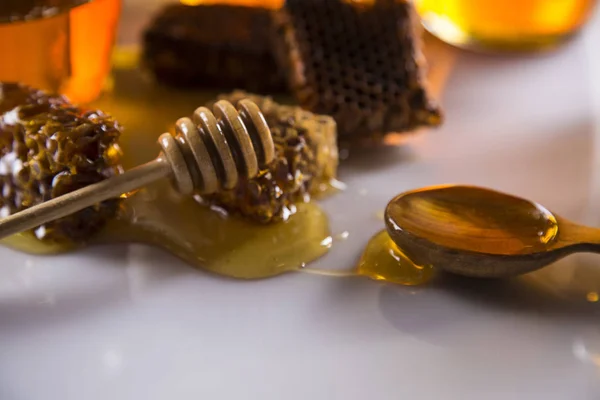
85,197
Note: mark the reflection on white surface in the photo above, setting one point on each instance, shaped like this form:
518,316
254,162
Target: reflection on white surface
586,347
342,236
148,267
113,360
49,299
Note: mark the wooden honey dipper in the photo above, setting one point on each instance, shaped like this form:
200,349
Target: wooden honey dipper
209,153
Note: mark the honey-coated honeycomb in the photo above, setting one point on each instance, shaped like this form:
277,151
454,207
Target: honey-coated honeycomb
306,159
359,62
49,147
212,46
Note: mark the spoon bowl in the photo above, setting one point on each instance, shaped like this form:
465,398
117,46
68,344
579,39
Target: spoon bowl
482,233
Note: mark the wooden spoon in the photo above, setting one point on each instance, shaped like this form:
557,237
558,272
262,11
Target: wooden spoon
482,233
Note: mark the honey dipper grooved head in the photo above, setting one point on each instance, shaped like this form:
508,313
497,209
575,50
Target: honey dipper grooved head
212,151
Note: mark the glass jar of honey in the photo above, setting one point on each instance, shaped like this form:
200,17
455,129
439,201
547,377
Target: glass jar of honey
504,24
63,46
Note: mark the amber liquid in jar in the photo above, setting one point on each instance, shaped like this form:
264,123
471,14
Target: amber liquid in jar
504,24
62,49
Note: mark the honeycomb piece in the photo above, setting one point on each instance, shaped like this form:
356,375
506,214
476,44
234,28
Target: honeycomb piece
305,162
49,147
214,46
359,62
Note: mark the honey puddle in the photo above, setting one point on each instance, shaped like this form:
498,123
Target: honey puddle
206,238
382,260
211,240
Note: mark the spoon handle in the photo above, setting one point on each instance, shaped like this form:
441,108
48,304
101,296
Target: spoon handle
586,238
85,197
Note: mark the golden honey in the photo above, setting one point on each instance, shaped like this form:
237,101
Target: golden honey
504,24
471,219
208,239
382,260
64,50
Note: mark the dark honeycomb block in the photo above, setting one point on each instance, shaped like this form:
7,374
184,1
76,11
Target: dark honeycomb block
49,147
213,46
358,62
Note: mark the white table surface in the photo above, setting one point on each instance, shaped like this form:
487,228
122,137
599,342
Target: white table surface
131,322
